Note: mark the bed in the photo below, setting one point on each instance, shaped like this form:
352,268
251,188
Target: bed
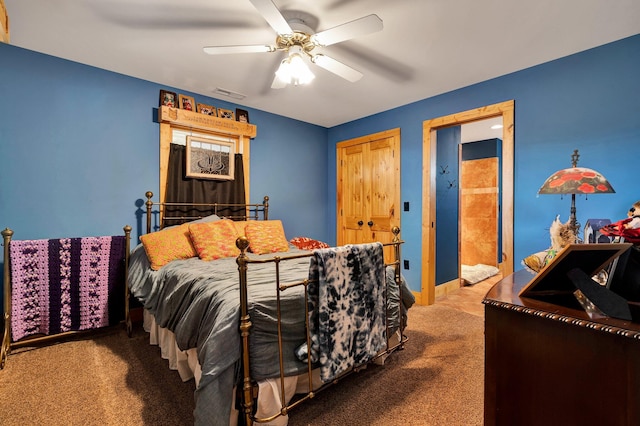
237,321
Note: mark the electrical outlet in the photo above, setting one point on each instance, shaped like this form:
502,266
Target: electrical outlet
406,264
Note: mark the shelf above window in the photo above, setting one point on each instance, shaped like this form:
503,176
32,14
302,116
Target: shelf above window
184,118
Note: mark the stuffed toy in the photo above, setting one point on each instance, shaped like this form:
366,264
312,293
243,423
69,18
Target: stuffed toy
634,214
562,234
628,228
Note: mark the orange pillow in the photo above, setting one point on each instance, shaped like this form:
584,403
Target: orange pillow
214,240
266,236
169,244
240,225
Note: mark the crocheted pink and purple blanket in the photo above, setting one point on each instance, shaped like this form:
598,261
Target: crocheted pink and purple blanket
65,284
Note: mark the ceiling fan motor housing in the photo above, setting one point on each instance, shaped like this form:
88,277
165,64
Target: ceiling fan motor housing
284,42
303,25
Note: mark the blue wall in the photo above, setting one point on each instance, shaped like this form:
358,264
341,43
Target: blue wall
588,101
79,146
447,204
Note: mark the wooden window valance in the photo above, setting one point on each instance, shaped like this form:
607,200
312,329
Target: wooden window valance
174,119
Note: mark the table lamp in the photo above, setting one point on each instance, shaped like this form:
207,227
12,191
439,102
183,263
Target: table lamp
576,180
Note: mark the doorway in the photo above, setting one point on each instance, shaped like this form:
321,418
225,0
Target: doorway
430,127
479,199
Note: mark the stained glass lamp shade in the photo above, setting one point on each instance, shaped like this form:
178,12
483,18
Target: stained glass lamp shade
576,180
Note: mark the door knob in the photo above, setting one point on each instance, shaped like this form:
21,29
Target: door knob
370,223
360,223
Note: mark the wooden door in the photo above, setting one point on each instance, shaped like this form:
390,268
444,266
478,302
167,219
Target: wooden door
368,193
479,195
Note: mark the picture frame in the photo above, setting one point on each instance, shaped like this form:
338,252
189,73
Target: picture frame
207,110
226,113
168,98
209,158
242,115
187,102
552,280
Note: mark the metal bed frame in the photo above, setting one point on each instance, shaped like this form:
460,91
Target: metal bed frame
249,389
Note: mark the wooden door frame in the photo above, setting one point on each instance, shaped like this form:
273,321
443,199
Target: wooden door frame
429,144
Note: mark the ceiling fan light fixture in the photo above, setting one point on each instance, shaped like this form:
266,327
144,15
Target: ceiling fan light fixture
297,37
293,70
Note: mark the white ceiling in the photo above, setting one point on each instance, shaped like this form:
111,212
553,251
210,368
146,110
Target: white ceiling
427,47
481,130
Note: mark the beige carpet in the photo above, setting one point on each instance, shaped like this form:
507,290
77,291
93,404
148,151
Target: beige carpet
113,380
437,380
108,380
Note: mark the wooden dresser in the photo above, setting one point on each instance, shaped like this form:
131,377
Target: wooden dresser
548,363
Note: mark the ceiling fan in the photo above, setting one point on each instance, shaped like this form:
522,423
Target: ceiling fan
297,37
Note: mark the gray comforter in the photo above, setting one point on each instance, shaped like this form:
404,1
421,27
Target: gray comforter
200,303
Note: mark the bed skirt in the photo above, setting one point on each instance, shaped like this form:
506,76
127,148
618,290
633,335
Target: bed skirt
187,365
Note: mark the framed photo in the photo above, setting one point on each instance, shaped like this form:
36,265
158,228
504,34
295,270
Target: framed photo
242,115
552,280
168,98
187,102
209,159
226,113
207,109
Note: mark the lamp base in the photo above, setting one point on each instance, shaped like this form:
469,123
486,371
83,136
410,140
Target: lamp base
573,221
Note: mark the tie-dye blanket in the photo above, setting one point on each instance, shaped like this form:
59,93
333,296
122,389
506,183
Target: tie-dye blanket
65,284
347,312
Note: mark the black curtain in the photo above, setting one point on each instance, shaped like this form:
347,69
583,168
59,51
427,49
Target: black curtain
181,189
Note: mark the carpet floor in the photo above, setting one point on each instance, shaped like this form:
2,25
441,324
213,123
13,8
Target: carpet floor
438,379
111,379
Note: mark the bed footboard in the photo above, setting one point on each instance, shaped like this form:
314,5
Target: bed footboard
65,287
394,339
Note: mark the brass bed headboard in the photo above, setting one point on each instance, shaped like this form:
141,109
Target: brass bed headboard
259,211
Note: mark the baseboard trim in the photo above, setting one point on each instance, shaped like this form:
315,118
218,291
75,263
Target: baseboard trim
448,287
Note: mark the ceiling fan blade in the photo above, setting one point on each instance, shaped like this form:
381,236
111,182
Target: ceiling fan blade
223,50
337,67
273,16
365,25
